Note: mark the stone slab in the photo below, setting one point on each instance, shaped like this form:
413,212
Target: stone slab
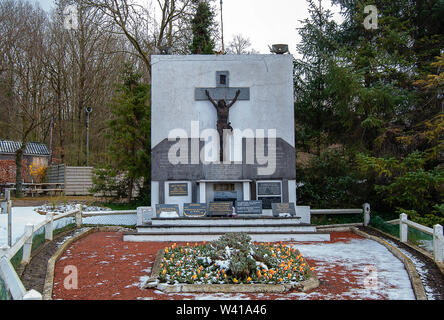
249,207
221,208
167,208
281,208
194,210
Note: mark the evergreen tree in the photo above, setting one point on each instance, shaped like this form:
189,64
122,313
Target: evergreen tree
201,24
312,99
129,131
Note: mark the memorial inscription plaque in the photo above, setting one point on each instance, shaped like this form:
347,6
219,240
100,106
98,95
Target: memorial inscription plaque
279,208
195,209
220,208
166,208
268,188
178,189
249,207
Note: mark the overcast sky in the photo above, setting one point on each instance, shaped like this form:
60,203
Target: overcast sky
265,22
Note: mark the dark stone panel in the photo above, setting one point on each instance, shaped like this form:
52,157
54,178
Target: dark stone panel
285,190
194,191
161,191
162,169
253,190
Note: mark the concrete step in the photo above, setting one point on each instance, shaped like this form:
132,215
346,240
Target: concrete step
210,236
257,220
203,228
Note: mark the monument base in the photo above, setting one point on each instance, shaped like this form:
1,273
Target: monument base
209,229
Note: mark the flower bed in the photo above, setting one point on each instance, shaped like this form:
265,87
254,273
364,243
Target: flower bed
233,259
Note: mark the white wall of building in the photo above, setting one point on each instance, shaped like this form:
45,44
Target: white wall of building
269,77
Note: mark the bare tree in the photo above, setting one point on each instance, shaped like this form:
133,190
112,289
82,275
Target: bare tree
240,45
27,87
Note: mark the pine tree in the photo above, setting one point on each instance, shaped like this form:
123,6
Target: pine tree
130,130
201,25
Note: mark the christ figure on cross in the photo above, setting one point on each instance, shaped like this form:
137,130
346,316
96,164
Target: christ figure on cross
223,110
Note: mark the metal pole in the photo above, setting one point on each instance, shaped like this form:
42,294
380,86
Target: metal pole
87,137
9,212
222,27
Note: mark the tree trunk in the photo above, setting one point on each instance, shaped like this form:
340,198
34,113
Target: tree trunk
130,189
18,172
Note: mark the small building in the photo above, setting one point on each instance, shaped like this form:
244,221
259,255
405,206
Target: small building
36,156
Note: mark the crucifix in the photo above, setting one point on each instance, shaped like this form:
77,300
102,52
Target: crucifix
222,93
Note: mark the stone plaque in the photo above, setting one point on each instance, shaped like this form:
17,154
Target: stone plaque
195,209
279,208
167,208
225,195
249,207
178,189
220,208
268,188
267,201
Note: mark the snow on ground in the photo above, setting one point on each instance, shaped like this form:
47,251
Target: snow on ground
24,215
420,267
20,217
368,267
365,261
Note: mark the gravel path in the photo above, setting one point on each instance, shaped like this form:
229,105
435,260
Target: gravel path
34,274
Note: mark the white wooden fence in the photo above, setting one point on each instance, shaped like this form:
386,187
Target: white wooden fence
7,272
436,232
365,211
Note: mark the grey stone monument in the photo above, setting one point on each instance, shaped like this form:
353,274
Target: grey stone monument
260,165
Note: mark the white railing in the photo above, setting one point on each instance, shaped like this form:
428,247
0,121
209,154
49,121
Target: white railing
365,211
436,232
7,272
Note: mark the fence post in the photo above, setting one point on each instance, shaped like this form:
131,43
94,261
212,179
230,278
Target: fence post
9,212
438,243
79,215
139,216
366,211
4,250
49,226
27,247
403,227
32,295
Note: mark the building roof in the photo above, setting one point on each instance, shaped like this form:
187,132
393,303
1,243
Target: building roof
32,148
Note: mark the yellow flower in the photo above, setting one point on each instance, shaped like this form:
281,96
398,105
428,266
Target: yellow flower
248,279
164,271
194,276
235,280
